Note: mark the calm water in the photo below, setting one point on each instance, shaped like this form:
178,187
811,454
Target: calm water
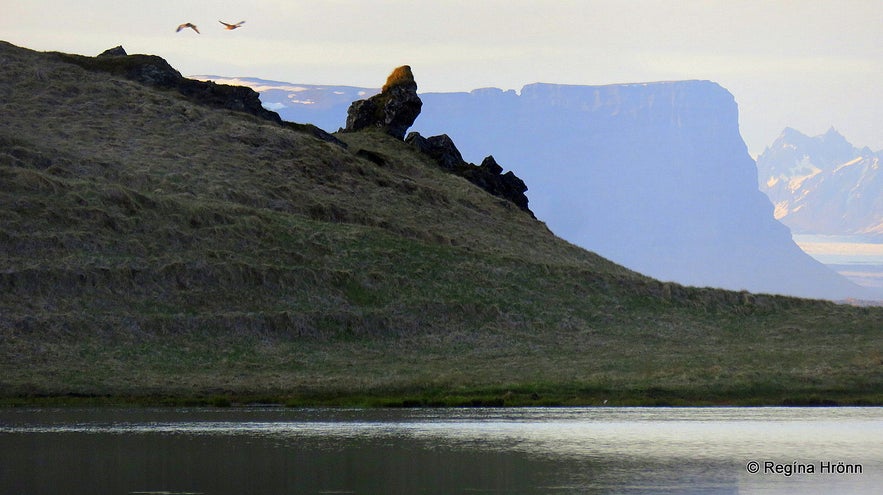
857,258
520,451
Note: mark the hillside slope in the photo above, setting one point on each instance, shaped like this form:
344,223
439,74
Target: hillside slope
654,176
153,246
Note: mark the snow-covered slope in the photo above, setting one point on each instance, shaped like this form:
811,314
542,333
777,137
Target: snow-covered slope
823,184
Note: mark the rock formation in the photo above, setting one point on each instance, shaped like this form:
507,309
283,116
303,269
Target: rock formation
394,110
155,71
488,176
117,51
441,148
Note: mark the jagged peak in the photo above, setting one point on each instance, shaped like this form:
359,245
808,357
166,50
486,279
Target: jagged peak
790,132
488,176
832,132
833,136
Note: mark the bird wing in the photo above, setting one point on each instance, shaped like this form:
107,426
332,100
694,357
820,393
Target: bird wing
187,25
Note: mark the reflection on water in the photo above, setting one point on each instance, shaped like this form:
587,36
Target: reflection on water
525,451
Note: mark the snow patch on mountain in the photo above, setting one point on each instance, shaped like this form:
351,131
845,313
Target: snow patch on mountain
833,187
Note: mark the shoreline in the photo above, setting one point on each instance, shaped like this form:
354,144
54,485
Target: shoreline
431,401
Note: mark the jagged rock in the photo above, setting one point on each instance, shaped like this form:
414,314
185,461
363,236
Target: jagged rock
117,51
491,166
155,71
394,110
441,148
418,141
488,176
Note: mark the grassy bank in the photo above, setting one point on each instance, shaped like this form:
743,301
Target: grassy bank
158,251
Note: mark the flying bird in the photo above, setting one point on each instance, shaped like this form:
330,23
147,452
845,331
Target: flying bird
187,25
231,27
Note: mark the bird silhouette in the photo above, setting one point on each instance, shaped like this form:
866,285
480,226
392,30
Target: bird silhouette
231,27
187,25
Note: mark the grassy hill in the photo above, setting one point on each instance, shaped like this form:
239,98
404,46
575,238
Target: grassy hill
153,248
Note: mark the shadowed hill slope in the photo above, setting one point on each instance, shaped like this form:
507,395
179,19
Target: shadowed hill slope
156,246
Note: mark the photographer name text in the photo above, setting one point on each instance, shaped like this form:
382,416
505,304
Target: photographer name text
802,468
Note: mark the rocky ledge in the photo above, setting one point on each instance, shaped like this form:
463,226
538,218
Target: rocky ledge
393,110
488,176
396,108
155,71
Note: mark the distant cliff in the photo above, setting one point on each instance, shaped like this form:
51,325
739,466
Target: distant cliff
823,184
654,176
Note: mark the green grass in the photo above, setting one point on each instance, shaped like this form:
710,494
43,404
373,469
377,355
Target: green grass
157,251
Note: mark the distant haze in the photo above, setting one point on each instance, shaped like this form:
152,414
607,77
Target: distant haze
653,176
810,65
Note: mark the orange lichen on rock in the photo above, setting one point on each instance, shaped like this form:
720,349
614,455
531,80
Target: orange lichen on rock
400,76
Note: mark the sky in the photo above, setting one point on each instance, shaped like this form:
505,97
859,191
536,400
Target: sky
806,64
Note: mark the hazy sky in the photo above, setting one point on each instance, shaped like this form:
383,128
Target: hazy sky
808,64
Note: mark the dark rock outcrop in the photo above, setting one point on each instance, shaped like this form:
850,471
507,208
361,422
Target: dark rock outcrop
441,148
155,71
117,51
394,110
488,176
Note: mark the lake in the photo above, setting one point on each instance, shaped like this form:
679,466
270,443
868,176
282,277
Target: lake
441,451
857,258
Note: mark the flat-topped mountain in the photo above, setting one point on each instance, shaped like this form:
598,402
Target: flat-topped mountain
653,176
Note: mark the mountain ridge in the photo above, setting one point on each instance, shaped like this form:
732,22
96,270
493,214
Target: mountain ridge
158,249
672,193
564,138
823,184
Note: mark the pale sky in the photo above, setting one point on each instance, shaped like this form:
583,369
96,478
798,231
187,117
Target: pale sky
807,64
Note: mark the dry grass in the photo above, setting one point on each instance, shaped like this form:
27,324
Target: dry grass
152,247
399,76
